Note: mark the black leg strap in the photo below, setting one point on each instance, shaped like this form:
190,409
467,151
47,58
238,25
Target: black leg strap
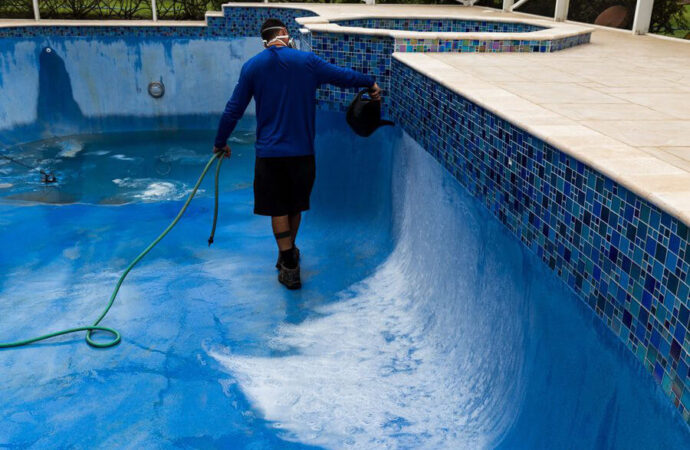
283,234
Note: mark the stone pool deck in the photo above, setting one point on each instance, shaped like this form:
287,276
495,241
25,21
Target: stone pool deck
620,103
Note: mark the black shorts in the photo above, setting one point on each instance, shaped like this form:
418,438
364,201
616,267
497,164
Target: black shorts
282,186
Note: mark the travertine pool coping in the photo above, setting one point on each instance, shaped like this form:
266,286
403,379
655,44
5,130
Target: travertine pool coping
638,169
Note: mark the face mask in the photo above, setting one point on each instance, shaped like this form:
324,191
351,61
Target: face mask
291,42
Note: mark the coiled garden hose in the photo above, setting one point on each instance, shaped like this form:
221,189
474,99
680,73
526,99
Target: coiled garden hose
116,336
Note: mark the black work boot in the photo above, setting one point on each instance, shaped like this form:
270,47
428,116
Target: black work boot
289,277
280,258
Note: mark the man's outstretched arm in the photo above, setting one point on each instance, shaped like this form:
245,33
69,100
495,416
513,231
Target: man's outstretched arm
234,110
327,73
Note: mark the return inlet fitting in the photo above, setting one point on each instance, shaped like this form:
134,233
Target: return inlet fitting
156,89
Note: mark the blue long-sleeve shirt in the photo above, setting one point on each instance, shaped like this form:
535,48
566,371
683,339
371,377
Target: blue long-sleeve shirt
283,81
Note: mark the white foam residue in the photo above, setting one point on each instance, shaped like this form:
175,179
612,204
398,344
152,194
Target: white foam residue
122,157
71,252
367,375
69,149
148,189
181,154
158,191
242,137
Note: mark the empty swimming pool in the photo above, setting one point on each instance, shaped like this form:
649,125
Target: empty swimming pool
422,322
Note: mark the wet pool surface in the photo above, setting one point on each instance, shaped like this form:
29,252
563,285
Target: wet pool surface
422,323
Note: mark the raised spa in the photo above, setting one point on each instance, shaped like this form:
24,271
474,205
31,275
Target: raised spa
426,24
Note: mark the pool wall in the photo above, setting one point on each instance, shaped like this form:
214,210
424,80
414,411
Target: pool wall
367,54
114,65
113,73
626,258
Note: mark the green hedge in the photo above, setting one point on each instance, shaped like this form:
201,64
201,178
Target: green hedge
110,9
669,17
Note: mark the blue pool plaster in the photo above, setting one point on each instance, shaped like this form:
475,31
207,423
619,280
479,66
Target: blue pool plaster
435,307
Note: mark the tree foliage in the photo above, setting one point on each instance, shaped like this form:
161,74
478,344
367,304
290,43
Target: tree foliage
16,9
666,14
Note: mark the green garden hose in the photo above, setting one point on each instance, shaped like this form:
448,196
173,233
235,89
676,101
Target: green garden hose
215,207
116,337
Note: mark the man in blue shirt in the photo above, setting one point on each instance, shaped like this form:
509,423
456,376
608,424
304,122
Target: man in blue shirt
283,83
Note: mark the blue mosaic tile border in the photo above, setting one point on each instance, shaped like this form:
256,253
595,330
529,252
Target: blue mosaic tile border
364,53
246,21
572,41
440,25
626,258
489,46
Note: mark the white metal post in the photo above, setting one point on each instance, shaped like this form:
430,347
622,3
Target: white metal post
154,10
37,11
561,12
643,16
508,5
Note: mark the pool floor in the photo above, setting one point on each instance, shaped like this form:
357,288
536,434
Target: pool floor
422,322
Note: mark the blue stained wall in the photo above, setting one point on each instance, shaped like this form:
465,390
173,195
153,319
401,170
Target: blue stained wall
59,86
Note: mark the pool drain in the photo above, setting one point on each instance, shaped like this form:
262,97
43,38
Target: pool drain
156,89
162,166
